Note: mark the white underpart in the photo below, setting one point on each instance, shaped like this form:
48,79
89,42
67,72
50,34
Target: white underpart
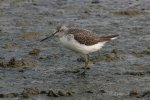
72,44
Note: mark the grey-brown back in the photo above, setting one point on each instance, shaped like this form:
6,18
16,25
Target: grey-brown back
87,37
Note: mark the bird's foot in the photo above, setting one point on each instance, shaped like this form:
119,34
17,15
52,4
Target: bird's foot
84,73
87,68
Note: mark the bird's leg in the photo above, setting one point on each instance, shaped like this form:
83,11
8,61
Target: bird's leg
86,63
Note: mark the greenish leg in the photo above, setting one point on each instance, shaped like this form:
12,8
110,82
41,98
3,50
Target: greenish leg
86,63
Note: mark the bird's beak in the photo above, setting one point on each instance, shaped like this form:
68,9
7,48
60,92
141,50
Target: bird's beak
49,36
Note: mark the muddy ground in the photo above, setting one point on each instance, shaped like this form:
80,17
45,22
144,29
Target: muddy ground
34,70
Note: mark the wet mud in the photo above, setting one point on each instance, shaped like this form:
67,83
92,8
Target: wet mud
34,70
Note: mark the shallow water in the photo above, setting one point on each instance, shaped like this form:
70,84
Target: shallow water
121,70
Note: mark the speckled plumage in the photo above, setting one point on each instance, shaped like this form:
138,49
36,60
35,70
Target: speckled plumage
87,37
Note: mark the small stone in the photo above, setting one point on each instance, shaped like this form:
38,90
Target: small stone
34,51
133,94
43,92
34,4
52,94
102,91
60,93
21,70
69,93
146,94
95,1
90,91
1,95
12,62
27,92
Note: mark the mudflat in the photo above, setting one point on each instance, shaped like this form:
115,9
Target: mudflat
34,70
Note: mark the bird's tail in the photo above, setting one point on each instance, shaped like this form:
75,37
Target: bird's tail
108,37
111,37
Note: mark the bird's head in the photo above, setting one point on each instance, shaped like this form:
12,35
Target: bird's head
60,31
